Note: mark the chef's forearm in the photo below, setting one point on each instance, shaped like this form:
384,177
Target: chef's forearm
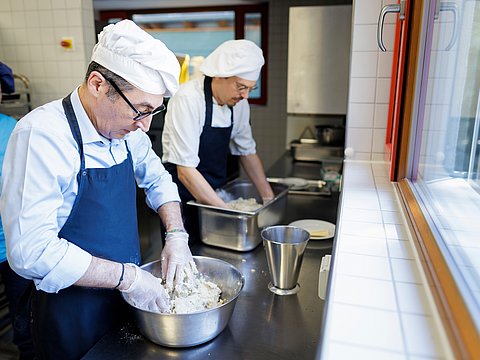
254,169
106,274
198,186
171,215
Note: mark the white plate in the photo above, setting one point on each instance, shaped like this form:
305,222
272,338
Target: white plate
295,183
312,225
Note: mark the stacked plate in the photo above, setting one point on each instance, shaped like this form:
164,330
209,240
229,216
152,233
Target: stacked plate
295,183
318,229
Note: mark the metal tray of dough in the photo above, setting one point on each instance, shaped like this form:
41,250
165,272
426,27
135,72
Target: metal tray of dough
240,230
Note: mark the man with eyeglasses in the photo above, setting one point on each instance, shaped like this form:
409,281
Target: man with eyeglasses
69,196
208,118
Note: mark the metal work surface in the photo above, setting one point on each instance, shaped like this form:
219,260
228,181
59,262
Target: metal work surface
263,325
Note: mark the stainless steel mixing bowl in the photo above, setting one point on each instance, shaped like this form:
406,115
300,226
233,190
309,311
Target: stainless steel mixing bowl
183,330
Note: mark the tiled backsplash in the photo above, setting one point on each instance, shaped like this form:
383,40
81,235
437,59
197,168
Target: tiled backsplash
31,31
370,74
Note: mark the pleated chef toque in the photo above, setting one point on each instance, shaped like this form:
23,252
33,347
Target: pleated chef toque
241,58
145,62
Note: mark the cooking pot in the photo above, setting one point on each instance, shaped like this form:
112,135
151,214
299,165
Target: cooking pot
330,135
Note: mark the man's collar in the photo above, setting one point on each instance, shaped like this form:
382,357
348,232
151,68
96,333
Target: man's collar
88,131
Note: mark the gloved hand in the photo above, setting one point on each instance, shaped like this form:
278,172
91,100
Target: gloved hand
147,292
175,255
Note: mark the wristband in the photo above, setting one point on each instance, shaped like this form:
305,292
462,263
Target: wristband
175,230
121,277
175,236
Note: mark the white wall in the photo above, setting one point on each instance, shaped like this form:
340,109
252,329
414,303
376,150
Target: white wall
30,35
30,32
370,73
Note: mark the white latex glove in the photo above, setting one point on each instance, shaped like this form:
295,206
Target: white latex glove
224,195
175,255
147,292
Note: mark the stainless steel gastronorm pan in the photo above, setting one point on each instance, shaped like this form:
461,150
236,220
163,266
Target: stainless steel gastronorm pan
240,230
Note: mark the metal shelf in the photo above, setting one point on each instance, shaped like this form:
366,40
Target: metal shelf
18,103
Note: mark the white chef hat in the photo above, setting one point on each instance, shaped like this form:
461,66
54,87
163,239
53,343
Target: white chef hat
139,58
242,58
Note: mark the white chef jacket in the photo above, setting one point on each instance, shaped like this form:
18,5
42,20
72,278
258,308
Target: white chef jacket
40,186
184,124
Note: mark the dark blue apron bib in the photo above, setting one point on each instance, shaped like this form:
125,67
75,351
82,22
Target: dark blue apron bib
213,153
103,221
213,149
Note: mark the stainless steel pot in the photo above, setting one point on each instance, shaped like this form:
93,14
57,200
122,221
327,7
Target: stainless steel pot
330,135
183,330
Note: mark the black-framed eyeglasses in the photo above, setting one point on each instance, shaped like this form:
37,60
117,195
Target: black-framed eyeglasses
241,87
140,115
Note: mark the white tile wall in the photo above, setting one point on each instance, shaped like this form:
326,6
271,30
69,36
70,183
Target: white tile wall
361,140
364,64
361,115
370,75
34,24
378,305
30,34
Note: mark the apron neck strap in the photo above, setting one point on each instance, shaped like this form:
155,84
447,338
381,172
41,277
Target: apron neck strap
207,89
73,123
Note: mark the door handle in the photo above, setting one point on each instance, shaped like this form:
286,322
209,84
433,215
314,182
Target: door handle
395,8
452,7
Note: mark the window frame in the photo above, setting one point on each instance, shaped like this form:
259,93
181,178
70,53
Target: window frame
240,12
458,322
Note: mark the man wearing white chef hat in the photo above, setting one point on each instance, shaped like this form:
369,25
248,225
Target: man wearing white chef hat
208,118
68,198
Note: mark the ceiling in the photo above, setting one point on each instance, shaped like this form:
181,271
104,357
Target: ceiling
143,4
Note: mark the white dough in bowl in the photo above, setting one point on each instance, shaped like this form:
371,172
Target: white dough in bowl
195,293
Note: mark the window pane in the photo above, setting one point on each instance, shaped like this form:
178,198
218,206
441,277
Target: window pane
448,176
253,32
195,34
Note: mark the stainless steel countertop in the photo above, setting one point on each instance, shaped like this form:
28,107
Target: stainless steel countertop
263,325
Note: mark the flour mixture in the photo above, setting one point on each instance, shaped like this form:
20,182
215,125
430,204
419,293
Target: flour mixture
195,293
244,204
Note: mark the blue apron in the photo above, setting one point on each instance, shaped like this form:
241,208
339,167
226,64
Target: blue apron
103,221
213,153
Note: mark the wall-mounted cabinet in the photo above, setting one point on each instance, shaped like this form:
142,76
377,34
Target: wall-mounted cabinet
318,59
